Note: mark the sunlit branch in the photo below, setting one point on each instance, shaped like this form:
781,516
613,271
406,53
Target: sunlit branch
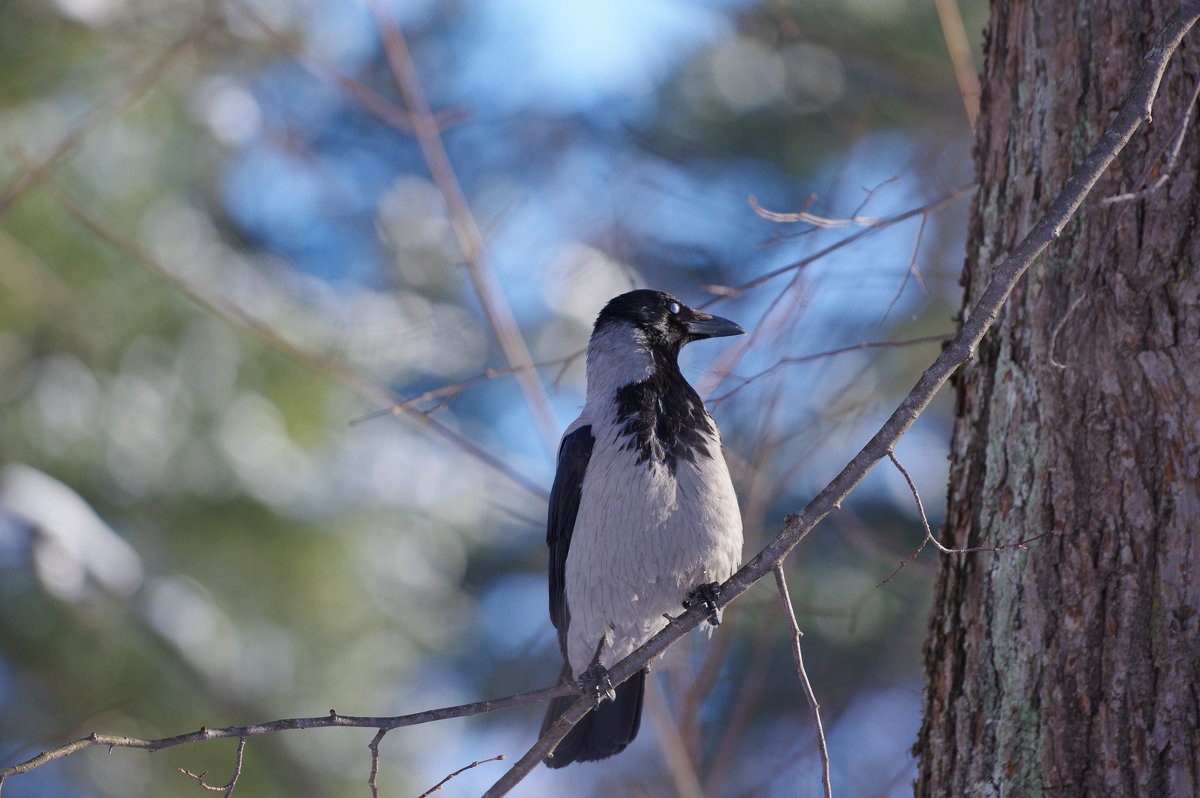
487,286
226,788
929,538
731,357
475,764
802,674
983,315
955,34
372,102
813,219
792,361
318,362
34,173
725,292
332,720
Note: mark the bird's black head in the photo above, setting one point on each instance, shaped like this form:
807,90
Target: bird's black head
666,322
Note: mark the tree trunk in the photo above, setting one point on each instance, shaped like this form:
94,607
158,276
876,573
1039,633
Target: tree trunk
1073,668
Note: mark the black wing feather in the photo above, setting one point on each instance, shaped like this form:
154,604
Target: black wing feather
573,455
606,730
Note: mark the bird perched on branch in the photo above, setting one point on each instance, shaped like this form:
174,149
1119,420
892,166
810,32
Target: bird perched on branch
643,517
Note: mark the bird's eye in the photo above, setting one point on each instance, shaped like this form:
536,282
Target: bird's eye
674,307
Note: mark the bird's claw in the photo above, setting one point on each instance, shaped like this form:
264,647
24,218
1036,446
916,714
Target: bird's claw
595,682
706,596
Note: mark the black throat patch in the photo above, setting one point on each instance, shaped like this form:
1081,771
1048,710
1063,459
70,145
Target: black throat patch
663,417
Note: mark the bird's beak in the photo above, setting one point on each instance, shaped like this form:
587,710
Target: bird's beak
702,325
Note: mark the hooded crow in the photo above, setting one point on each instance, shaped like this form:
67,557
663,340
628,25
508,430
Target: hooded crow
643,517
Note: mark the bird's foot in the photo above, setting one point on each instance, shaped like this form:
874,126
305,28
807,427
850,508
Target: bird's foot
706,596
595,683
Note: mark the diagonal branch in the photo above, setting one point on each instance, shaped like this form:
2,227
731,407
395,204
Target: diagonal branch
1135,111
32,174
425,127
929,538
802,674
333,369
383,724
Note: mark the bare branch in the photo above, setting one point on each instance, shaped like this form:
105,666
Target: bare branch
955,34
725,292
669,733
1172,156
791,361
425,127
318,363
475,764
333,719
1007,273
237,771
794,627
813,219
929,538
374,774
912,269
985,312
32,174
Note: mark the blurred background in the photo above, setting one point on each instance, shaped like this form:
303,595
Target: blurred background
222,248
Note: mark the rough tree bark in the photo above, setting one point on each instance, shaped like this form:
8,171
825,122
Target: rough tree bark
1073,668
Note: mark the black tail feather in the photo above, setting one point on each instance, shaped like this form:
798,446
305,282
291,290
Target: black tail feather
604,731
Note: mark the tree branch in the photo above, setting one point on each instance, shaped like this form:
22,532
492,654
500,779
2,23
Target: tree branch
796,634
475,764
1135,111
32,174
320,364
425,128
383,724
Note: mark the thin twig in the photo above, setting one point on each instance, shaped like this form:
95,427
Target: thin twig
792,361
1171,147
794,627
669,734
1172,156
1136,109
912,269
332,720
373,776
487,286
929,538
1005,275
726,292
448,392
955,34
237,771
32,174
814,219
321,364
475,764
